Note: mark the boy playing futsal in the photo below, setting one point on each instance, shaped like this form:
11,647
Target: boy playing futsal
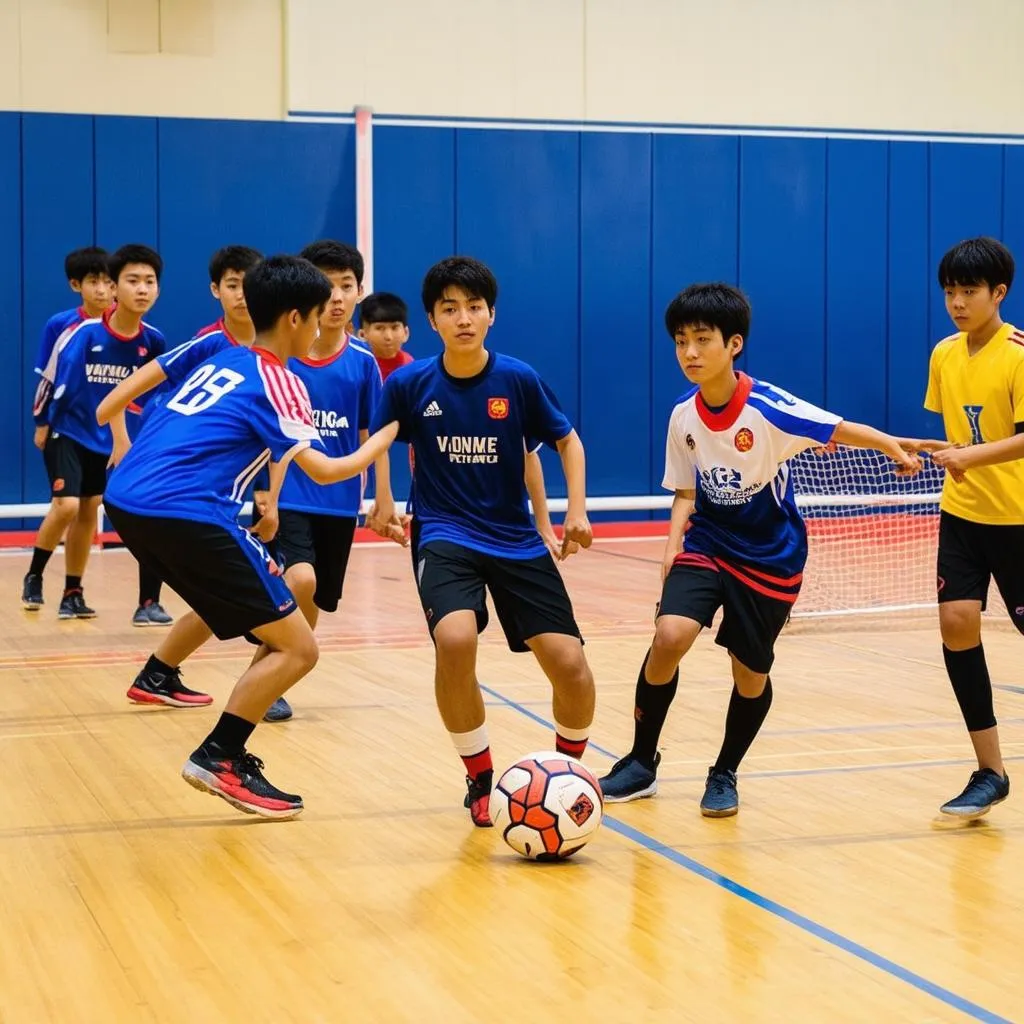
976,381
745,546
469,413
175,498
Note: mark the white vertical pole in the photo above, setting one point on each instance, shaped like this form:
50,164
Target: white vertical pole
364,191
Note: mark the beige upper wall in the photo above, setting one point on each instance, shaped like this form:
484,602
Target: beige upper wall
174,58
887,64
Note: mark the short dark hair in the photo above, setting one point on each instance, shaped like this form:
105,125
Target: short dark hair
977,261
383,308
135,254
239,258
710,305
279,284
472,276
80,263
328,255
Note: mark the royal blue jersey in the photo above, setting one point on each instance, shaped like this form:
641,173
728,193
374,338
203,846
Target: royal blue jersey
55,327
470,437
86,364
203,446
344,390
745,519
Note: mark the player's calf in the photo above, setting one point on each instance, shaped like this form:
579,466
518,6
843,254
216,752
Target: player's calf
561,657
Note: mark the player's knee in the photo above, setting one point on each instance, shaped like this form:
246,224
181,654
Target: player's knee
307,653
960,625
301,579
65,509
671,639
455,645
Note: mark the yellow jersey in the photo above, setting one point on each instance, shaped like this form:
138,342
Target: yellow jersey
981,398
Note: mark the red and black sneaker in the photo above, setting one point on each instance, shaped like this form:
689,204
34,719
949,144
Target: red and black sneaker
153,687
240,781
478,799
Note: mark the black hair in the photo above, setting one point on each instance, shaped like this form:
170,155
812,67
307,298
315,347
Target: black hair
239,258
279,284
78,265
135,254
383,308
710,305
472,276
977,261
330,256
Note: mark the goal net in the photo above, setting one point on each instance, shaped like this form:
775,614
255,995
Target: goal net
872,535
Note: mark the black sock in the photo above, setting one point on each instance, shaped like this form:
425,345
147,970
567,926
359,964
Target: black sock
969,675
72,583
149,586
229,735
40,557
154,664
742,723
650,712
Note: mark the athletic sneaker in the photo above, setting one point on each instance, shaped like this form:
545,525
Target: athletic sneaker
720,797
32,592
983,792
151,614
240,781
73,606
630,779
165,688
478,799
279,711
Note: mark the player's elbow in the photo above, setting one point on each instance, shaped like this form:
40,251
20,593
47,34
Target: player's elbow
570,443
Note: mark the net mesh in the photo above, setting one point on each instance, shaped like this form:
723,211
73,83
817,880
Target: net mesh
872,535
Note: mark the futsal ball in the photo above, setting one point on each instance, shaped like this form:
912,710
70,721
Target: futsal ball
547,806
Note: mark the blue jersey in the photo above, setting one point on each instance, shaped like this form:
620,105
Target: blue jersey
470,436
344,390
55,327
86,364
203,446
745,520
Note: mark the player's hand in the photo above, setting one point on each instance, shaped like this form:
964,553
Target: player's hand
915,447
825,449
907,463
120,451
386,523
666,564
952,460
260,501
267,526
576,530
40,435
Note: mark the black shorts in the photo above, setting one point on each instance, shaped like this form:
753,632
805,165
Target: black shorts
971,554
528,594
323,542
74,470
751,621
225,575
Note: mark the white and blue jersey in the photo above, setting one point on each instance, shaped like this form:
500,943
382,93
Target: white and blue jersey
204,445
745,519
344,390
54,328
86,364
469,436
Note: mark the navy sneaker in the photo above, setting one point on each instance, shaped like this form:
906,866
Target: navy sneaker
241,782
151,614
983,792
279,711
720,797
32,592
73,606
630,779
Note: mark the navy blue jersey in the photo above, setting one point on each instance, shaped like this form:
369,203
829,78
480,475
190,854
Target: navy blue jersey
470,437
86,364
203,446
344,390
55,327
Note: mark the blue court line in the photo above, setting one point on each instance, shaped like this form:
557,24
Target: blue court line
819,931
1009,689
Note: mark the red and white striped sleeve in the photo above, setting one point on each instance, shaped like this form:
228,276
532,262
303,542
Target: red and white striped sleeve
289,404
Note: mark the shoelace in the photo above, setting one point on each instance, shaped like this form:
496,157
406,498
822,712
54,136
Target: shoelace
251,764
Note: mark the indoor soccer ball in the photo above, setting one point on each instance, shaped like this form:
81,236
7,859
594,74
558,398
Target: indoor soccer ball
547,806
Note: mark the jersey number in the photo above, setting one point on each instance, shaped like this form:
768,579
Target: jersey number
204,388
974,419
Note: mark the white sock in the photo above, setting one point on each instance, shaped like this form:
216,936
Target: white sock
469,743
572,734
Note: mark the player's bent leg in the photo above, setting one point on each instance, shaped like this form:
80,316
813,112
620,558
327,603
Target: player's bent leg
562,660
159,682
59,516
301,580
72,604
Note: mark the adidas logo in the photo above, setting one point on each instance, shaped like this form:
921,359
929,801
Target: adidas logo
433,410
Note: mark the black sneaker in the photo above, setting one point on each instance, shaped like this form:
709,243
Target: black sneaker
478,799
32,592
983,792
73,606
241,782
630,779
165,688
720,797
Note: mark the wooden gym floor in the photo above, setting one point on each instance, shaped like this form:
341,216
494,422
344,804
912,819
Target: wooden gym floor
837,894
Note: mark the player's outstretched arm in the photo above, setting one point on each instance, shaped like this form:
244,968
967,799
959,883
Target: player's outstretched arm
322,469
576,527
958,461
142,380
682,509
859,435
382,517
